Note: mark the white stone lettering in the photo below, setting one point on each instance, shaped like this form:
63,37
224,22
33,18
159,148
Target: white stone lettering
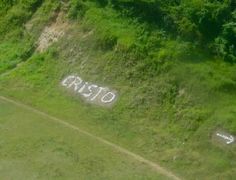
228,139
90,92
77,81
99,91
109,97
64,82
83,87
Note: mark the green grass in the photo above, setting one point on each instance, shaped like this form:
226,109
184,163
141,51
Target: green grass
13,53
34,147
172,96
141,116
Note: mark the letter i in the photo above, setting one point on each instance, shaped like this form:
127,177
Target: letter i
82,88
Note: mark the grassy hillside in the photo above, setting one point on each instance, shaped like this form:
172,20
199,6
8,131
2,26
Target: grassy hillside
34,147
175,87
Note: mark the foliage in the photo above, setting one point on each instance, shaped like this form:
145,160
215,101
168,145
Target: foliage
154,53
225,44
77,9
195,20
17,15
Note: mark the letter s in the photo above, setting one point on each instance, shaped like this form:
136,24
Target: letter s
90,91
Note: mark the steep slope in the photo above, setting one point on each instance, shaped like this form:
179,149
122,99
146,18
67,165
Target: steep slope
173,96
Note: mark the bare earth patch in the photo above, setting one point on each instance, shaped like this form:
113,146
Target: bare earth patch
52,33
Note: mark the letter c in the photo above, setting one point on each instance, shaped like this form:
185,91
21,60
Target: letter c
64,82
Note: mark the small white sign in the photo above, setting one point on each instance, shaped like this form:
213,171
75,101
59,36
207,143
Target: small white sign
229,139
91,92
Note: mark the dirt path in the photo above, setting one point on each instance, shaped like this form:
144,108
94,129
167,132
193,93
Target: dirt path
52,33
139,158
13,69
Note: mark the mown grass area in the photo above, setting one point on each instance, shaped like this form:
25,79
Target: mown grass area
35,147
172,95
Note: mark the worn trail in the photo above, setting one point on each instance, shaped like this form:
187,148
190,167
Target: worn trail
139,158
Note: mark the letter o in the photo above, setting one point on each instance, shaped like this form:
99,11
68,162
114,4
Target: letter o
113,96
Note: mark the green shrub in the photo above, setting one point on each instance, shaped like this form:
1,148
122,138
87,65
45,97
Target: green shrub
225,44
77,9
18,13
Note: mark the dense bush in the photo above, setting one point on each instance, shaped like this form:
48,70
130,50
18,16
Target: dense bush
225,44
16,13
77,9
209,23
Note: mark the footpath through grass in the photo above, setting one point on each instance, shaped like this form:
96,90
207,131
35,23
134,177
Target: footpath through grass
172,94
34,147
